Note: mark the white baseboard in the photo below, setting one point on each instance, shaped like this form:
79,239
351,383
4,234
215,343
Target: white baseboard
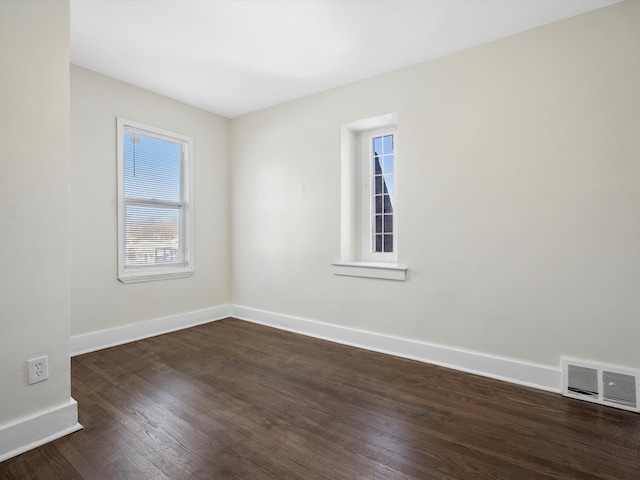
36,430
509,370
90,342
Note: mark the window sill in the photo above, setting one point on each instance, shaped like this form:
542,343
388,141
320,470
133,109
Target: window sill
138,277
384,271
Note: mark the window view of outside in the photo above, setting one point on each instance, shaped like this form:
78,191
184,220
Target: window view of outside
382,194
154,200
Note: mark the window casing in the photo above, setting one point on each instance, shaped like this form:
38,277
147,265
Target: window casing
368,205
154,203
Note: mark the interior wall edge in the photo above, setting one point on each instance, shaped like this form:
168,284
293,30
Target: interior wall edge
509,370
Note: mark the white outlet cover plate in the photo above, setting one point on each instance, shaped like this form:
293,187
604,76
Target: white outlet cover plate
38,369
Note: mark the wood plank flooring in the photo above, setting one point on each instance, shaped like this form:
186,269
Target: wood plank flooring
234,400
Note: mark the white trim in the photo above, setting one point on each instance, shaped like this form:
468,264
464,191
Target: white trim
370,270
372,122
508,370
38,429
155,274
90,342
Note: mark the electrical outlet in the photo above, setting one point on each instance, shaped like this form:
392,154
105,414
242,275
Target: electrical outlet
38,369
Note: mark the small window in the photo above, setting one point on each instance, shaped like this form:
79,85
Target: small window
368,206
380,153
154,203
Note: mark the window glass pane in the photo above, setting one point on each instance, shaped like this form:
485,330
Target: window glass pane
388,243
378,203
152,168
388,223
377,247
152,235
378,224
377,146
377,165
388,188
388,165
378,188
388,208
388,144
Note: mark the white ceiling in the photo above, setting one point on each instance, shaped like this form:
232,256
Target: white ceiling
235,57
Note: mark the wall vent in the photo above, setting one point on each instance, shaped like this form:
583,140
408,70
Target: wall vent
600,383
583,380
619,388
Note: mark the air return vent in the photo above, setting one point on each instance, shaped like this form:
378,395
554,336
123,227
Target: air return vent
619,388
583,380
604,384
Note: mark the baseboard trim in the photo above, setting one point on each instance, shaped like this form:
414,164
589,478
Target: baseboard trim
93,341
38,429
509,370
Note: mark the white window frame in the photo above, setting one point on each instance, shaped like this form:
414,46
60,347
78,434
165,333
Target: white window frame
367,216
129,274
356,256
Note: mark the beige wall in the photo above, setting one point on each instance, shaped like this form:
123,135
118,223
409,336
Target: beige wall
518,206
98,299
518,203
34,205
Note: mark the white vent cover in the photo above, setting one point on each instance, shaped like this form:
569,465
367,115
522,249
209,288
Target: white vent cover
599,383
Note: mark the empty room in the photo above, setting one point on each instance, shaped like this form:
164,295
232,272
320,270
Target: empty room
324,239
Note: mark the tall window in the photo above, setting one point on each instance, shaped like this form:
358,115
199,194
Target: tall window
378,216
369,199
381,159
154,207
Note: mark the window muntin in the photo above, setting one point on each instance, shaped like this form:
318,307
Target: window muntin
154,203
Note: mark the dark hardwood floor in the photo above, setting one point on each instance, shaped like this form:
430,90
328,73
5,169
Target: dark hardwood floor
234,400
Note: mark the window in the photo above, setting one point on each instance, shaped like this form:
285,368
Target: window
369,219
379,150
154,203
